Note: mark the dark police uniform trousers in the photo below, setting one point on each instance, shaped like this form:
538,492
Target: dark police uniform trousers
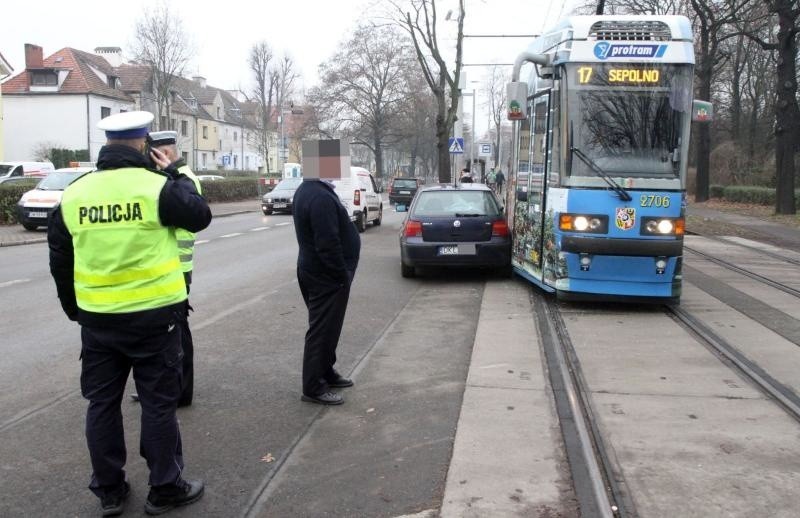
327,303
155,357
187,344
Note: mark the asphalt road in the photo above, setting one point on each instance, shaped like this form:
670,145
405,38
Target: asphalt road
261,451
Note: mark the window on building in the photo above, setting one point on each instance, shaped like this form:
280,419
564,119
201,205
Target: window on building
185,156
235,161
205,160
220,144
219,113
105,111
184,128
44,78
205,131
163,125
235,136
112,81
172,124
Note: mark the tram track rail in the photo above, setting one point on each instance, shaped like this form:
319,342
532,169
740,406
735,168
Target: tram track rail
596,478
745,272
785,397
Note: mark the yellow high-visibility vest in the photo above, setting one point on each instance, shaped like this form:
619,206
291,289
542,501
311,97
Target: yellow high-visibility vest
186,238
125,259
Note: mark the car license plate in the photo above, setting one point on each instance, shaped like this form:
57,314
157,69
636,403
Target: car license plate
37,214
405,192
448,250
280,206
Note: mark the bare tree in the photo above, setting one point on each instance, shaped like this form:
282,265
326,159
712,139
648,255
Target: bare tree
496,103
259,61
161,43
363,86
787,113
421,23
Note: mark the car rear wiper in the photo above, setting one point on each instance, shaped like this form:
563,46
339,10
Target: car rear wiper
467,215
622,193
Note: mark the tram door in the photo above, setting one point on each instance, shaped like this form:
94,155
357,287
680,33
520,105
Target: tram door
530,230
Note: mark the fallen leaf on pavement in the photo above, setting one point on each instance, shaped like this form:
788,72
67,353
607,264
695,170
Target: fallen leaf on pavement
268,458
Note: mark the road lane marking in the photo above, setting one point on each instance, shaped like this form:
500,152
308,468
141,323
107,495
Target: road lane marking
282,224
201,241
232,235
15,281
258,228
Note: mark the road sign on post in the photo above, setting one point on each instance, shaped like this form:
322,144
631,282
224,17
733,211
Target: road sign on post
485,149
456,145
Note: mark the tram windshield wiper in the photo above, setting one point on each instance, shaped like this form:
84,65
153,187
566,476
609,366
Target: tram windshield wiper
622,193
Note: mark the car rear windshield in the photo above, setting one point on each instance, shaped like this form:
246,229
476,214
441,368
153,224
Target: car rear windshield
456,203
405,184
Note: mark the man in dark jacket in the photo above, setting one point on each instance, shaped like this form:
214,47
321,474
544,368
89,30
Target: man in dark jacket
326,264
114,258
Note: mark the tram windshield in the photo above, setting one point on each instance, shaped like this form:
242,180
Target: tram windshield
631,120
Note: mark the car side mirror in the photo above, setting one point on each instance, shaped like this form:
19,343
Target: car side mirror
400,208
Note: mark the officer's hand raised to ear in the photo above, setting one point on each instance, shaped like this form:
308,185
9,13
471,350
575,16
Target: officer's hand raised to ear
159,158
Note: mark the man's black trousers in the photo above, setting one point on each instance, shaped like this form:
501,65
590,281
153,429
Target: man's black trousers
108,355
327,303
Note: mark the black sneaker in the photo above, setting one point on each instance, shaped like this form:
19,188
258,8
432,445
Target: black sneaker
164,498
326,398
114,503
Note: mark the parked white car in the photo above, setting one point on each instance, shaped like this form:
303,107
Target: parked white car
33,169
361,197
35,206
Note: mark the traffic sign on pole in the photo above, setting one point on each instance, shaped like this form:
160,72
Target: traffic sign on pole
456,145
485,149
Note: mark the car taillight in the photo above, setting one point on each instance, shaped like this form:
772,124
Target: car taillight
500,228
357,197
413,228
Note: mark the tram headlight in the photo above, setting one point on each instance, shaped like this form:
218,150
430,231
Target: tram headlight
587,223
663,226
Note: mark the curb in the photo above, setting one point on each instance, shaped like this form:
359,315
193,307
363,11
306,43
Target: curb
25,242
225,214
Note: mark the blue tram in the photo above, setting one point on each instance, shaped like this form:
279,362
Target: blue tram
596,201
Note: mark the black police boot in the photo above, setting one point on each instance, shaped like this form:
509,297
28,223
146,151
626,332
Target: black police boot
164,498
114,503
339,381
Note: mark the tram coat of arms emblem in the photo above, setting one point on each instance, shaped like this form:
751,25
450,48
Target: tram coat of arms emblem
626,217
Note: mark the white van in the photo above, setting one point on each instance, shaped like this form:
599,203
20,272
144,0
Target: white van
34,169
361,197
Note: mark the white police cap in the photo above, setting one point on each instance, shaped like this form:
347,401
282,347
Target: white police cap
163,138
128,125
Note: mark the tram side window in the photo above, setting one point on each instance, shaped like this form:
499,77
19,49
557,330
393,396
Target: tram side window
554,161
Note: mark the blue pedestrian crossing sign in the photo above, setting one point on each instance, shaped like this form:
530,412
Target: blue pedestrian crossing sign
456,145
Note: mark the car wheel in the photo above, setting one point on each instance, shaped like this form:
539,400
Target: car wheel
407,271
267,212
361,221
30,226
377,221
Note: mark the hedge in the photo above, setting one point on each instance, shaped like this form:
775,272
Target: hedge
748,194
10,193
231,189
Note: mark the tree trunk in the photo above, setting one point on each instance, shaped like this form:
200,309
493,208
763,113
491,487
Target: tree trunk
786,110
378,157
736,91
704,72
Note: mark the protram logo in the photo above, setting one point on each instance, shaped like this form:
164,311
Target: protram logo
605,50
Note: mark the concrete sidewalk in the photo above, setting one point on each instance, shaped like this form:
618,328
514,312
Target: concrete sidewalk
11,235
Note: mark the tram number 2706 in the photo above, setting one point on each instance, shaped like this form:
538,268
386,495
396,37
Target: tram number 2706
652,200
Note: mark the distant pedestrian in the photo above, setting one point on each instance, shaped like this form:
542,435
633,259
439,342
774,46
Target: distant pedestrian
490,179
466,177
499,179
114,258
329,249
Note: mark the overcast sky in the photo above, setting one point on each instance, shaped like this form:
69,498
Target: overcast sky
223,32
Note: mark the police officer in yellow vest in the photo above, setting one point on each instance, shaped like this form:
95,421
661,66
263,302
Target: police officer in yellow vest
114,257
166,141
